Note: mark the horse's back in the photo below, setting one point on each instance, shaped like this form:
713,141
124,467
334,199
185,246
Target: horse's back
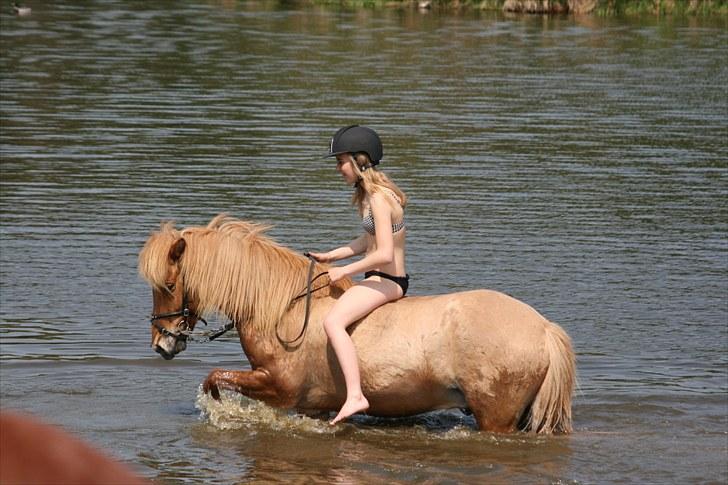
482,309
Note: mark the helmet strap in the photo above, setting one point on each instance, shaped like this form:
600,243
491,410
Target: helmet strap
368,166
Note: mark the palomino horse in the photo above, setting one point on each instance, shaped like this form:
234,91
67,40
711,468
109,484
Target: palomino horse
480,350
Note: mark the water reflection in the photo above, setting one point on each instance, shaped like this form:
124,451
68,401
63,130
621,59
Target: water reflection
578,164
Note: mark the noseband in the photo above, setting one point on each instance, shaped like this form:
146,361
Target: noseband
183,325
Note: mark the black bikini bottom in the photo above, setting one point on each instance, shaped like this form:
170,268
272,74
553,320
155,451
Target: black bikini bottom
402,281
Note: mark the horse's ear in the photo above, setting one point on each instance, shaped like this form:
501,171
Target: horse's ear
178,247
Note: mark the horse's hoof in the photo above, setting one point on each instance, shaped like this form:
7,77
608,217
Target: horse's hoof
209,388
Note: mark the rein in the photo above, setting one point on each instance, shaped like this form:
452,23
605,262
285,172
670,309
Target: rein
308,293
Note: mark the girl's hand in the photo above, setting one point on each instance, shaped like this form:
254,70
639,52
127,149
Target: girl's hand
320,257
336,273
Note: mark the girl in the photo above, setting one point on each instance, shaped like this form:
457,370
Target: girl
381,203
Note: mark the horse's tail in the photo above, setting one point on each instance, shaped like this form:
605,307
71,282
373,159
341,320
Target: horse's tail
551,409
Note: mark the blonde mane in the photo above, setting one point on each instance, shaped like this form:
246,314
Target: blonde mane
232,268
154,256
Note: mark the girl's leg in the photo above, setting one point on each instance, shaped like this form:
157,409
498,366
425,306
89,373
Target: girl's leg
357,302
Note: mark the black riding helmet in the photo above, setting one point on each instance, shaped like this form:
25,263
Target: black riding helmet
356,139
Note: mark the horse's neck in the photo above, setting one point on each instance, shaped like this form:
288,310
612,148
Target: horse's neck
268,344
260,349
290,309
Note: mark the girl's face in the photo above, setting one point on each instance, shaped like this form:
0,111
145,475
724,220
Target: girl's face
344,166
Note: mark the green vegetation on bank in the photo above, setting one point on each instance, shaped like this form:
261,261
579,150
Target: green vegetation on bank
662,7
597,7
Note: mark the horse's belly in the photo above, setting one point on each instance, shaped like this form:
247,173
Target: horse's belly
413,399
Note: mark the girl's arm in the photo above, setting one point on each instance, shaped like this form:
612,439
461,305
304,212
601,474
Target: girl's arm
354,248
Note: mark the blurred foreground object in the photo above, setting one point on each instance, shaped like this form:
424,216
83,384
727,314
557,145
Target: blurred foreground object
34,452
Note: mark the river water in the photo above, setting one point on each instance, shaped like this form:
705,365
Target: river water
580,165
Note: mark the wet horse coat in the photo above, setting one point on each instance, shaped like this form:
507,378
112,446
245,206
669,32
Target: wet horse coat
480,349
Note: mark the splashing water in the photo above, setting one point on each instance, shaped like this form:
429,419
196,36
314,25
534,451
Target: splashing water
235,411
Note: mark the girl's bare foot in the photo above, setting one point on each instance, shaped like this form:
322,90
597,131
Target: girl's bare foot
351,406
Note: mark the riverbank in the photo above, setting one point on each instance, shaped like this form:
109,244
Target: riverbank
595,7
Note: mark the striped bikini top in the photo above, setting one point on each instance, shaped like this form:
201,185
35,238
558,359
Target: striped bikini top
368,221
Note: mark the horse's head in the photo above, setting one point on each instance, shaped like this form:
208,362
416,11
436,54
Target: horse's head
174,313
228,267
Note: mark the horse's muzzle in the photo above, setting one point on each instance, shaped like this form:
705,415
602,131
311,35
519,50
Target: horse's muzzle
161,351
168,348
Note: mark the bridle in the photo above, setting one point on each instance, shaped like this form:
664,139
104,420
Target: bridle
183,325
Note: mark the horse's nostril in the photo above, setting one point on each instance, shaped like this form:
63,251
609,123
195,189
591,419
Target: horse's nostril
160,350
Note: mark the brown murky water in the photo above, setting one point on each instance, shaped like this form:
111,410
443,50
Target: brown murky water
577,164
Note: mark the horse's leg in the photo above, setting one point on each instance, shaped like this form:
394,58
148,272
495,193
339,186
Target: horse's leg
256,384
490,418
497,406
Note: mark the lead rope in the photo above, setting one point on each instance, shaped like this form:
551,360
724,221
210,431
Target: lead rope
309,282
210,336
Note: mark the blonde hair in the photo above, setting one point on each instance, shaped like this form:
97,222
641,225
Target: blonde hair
371,181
